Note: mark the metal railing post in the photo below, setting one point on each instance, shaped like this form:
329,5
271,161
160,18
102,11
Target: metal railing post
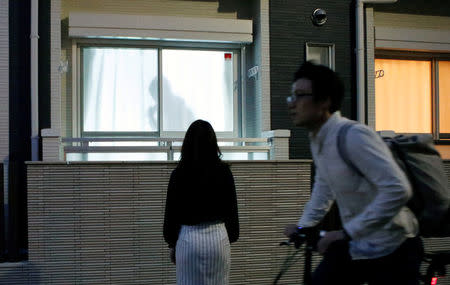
170,151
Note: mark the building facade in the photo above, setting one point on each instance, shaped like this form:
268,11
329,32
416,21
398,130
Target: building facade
85,84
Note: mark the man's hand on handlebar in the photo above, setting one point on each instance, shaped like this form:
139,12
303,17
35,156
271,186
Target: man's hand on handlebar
313,237
290,230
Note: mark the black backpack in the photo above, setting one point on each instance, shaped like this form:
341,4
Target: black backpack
419,159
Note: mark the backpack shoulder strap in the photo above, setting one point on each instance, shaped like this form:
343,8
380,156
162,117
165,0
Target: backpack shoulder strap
342,146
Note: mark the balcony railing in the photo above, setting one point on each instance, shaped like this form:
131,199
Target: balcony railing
79,149
273,145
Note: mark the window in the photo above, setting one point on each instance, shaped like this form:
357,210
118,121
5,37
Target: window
158,91
320,53
403,95
197,84
412,94
120,90
444,99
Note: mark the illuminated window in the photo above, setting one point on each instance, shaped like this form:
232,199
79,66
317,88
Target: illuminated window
197,84
444,97
403,95
413,95
139,91
118,90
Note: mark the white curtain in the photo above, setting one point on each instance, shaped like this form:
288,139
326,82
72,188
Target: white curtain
120,90
197,84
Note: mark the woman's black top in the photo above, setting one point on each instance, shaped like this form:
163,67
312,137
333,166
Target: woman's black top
196,196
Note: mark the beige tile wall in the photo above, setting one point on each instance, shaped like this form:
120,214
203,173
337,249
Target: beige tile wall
94,222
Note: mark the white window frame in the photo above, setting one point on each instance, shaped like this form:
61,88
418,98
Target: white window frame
238,51
331,52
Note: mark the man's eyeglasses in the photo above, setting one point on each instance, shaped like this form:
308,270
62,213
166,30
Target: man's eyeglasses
294,97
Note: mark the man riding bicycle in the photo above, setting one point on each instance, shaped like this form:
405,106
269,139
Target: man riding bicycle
378,243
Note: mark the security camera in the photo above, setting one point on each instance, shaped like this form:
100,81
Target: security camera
319,17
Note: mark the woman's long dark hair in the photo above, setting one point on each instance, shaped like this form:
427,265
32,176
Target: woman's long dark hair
200,148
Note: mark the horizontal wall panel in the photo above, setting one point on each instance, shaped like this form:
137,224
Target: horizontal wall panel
412,21
146,7
159,27
412,39
413,35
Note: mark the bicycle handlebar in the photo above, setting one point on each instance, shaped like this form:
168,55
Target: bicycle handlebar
310,235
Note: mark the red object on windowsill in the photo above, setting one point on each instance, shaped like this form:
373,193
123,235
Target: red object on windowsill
227,56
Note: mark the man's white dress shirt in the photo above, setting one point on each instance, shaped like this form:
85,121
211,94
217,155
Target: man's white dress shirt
372,207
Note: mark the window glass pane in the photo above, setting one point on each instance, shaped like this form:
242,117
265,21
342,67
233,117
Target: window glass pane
403,95
235,156
158,156
260,156
120,88
125,143
319,55
197,85
444,97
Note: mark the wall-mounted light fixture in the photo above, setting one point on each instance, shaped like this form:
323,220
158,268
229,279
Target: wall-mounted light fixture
319,17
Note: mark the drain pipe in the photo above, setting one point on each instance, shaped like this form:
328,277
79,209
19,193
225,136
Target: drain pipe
34,81
361,57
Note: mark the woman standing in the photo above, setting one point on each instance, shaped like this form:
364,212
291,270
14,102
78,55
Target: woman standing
201,217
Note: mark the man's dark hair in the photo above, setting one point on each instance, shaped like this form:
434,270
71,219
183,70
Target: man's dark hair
325,84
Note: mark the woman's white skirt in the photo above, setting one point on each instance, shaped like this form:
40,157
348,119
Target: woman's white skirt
203,255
